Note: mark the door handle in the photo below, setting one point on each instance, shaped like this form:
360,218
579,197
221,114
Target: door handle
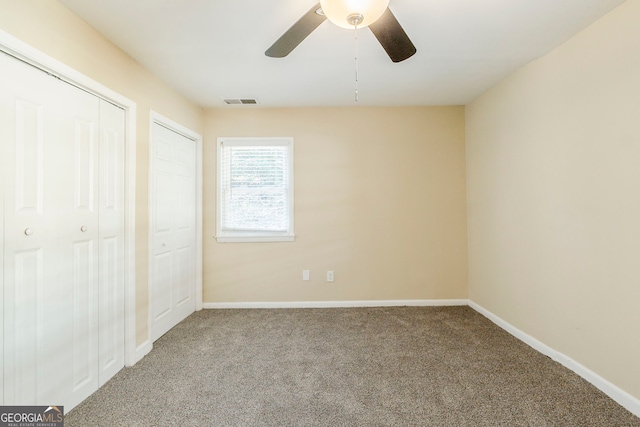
28,231
83,228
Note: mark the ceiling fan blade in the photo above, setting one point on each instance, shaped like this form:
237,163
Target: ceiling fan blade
392,37
298,32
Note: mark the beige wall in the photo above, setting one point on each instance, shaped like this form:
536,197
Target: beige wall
553,181
379,199
51,28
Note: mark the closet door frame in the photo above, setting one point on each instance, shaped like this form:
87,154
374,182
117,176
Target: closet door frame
156,118
30,55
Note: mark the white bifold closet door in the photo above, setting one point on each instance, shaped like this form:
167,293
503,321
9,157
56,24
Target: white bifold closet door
173,229
63,274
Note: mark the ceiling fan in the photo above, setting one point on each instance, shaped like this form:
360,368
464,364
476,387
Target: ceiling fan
349,14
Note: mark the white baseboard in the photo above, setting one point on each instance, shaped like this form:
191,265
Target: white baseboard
626,400
141,351
336,304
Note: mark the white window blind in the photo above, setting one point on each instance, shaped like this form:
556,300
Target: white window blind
255,189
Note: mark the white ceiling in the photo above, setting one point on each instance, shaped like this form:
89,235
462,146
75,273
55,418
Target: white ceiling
214,49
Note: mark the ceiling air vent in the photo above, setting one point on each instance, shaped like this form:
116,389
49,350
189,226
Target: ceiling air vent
241,101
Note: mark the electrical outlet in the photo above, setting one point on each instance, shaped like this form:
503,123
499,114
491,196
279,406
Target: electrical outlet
330,276
305,275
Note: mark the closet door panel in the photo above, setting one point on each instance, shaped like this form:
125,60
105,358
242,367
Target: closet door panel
173,229
111,236
84,354
78,238
28,155
184,232
31,258
22,326
184,263
50,239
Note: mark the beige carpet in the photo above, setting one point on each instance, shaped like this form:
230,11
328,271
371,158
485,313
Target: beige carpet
401,366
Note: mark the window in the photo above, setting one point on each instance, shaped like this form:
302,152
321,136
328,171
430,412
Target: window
255,190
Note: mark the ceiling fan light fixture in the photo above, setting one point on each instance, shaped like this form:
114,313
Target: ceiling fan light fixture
342,12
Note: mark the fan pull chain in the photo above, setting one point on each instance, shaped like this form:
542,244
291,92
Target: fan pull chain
355,27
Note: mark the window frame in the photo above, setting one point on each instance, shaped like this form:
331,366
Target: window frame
254,236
